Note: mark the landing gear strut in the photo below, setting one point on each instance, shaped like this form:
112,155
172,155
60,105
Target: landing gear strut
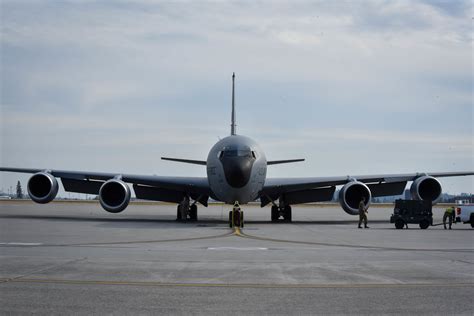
236,217
281,210
185,211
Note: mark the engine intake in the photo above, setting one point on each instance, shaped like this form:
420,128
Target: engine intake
114,196
426,188
351,194
42,187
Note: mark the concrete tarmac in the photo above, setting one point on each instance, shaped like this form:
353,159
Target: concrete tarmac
66,257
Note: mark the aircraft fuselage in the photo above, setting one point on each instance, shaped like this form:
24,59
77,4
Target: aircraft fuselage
236,169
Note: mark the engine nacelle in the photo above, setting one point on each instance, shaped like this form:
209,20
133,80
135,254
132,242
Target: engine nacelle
426,188
114,196
351,194
42,187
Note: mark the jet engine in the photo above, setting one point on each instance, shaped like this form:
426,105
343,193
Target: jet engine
114,196
426,188
42,187
351,194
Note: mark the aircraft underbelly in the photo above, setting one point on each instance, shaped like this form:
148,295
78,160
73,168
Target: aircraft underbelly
226,193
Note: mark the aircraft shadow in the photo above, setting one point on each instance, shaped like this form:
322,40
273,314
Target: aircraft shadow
203,221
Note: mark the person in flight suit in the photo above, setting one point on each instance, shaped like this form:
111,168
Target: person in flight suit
362,213
448,214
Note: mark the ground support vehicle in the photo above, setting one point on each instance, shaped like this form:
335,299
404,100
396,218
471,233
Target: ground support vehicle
464,213
412,212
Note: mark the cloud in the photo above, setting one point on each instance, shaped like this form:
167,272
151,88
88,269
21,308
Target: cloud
100,77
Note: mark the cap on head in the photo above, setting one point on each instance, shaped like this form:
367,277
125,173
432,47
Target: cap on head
236,203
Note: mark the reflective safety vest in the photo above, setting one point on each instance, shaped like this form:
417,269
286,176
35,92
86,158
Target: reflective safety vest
449,210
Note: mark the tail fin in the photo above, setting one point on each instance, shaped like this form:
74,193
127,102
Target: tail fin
233,125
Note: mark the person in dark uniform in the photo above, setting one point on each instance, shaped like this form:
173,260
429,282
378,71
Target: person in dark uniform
362,213
448,214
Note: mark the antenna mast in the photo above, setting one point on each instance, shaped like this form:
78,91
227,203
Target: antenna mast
232,125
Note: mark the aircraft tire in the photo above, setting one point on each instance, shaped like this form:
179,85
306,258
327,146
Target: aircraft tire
471,219
274,213
288,215
178,213
193,214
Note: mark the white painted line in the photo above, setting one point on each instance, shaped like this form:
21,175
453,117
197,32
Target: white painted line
21,243
237,248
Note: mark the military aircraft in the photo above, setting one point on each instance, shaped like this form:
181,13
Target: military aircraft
236,172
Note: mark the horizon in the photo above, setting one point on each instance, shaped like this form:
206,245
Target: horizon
11,191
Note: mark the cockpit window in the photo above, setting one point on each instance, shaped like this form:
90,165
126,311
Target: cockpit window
237,153
234,151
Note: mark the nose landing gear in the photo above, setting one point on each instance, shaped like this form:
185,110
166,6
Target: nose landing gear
236,217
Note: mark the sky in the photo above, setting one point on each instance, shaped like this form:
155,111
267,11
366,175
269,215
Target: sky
355,87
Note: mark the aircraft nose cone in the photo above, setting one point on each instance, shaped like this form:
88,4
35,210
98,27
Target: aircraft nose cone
237,170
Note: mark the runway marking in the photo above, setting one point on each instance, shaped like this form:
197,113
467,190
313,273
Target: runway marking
239,233
21,243
149,241
119,242
237,248
235,232
232,285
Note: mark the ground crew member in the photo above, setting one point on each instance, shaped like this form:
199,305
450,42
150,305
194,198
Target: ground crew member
448,214
362,213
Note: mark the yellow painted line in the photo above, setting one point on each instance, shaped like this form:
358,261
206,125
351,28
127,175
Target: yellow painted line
301,242
232,285
145,241
237,232
10,244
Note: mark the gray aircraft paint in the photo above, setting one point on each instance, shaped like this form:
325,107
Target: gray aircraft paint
236,165
216,172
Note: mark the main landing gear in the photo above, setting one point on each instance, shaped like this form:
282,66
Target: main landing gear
186,211
282,210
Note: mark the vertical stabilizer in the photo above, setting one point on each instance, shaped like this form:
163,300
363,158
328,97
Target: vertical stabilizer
232,125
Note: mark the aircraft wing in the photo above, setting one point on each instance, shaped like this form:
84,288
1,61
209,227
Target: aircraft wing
303,190
160,188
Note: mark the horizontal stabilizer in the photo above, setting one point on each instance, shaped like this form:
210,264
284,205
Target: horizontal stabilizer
194,162
276,162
